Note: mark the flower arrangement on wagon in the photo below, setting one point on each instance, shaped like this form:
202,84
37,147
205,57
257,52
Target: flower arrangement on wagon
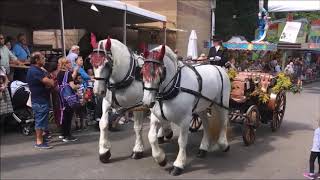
281,82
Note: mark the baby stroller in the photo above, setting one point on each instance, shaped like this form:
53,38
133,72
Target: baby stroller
21,102
90,103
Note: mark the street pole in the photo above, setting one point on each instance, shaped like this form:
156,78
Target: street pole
125,27
284,58
62,29
212,28
165,33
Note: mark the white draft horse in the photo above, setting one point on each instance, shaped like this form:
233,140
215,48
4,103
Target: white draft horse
175,91
116,70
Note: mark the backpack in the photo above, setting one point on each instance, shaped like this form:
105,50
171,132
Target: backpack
67,95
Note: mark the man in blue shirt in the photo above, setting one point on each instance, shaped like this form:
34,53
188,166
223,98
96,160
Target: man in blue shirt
21,49
40,97
22,52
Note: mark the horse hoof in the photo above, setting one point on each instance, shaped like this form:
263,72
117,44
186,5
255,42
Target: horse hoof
227,149
202,153
163,163
160,140
176,171
137,155
105,157
170,135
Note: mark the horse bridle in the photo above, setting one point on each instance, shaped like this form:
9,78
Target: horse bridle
163,75
109,65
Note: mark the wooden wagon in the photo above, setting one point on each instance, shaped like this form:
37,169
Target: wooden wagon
247,109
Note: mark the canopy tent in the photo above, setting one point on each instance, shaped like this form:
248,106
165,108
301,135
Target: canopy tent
46,14
293,5
251,46
237,39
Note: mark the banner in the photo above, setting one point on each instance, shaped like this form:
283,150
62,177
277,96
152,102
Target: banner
290,32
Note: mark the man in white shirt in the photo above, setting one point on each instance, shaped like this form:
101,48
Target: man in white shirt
6,56
73,54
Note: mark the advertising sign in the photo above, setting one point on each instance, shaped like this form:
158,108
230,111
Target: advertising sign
290,32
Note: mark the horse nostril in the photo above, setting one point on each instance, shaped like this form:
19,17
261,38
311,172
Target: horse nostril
103,92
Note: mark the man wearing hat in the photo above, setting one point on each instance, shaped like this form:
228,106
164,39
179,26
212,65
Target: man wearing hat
217,53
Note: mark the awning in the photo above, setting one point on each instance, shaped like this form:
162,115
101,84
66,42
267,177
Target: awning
129,8
293,5
45,14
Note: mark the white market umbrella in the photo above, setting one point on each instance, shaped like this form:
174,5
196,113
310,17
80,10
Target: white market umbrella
192,45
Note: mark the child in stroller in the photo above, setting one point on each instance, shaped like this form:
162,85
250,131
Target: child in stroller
90,103
21,102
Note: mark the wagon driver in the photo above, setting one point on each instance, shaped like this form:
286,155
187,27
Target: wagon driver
217,54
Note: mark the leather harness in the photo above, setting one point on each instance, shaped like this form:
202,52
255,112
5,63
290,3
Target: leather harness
132,74
175,89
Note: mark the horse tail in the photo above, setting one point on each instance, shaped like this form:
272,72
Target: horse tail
219,115
215,124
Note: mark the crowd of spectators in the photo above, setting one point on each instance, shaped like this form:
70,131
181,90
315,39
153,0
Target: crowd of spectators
44,85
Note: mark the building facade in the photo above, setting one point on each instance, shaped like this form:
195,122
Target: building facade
182,17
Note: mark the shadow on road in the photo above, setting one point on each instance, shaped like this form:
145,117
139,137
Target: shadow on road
37,159
239,157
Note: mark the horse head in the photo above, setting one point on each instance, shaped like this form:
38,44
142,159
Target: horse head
101,60
153,73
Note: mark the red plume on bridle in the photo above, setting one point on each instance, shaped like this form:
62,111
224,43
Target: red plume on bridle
93,41
108,44
152,69
162,52
155,55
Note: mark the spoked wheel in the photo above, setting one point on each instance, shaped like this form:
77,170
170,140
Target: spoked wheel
250,125
195,123
26,129
279,110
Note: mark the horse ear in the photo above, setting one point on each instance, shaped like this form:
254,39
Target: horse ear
162,52
93,41
108,44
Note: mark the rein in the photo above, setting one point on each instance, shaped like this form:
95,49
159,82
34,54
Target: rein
175,89
125,82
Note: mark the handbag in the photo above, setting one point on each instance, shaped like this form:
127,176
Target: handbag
67,95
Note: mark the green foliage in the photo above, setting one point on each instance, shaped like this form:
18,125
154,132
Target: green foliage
308,15
283,83
232,73
262,96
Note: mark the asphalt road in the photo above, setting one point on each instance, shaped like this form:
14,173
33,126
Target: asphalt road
280,155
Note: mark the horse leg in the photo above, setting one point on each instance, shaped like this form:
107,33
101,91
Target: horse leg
138,147
157,152
181,159
104,143
223,117
160,135
205,142
164,131
168,133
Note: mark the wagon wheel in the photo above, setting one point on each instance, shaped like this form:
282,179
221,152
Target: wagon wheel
195,123
278,112
250,125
